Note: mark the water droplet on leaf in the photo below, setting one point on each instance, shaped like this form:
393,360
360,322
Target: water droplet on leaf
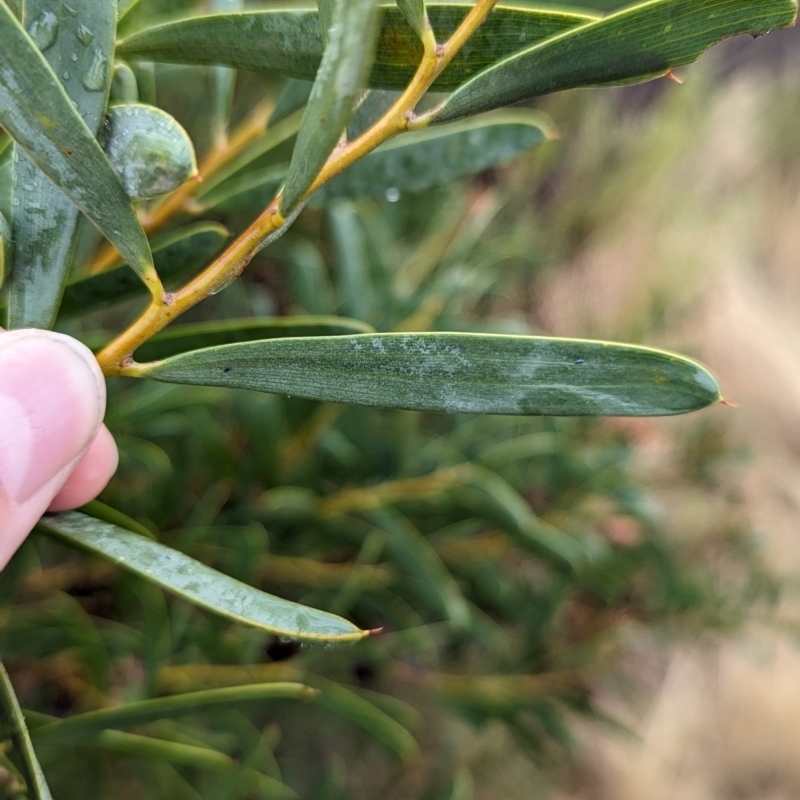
44,29
393,194
85,35
223,287
95,77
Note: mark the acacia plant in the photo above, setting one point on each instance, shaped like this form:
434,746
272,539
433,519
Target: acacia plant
378,99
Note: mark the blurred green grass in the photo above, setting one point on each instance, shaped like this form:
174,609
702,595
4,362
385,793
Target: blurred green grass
478,626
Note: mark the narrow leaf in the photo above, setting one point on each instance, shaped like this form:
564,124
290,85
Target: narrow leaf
293,97
124,87
416,161
639,43
340,80
373,105
288,41
178,256
78,44
141,13
77,729
197,583
39,115
491,497
11,714
325,8
455,372
150,152
223,83
183,338
354,283
108,514
414,12
246,191
186,755
358,710
413,552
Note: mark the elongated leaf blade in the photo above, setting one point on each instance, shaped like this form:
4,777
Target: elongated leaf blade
340,80
437,587
177,255
141,13
150,152
414,12
416,161
77,729
325,9
358,710
186,755
223,83
197,583
494,499
11,714
455,372
183,338
639,43
39,115
288,41
78,44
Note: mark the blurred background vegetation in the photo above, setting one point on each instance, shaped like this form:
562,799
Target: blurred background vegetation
664,215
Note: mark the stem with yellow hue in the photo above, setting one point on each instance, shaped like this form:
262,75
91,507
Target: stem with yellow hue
117,357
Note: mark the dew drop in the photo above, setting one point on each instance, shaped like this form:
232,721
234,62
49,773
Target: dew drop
95,77
85,35
44,29
223,287
393,194
65,75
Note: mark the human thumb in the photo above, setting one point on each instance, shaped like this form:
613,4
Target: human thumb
52,402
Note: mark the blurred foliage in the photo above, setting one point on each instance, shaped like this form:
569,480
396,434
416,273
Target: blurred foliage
427,526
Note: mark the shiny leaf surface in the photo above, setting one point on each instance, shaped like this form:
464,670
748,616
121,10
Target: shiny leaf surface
183,338
416,161
150,152
75,729
197,583
455,373
340,80
639,43
177,255
39,115
78,44
288,41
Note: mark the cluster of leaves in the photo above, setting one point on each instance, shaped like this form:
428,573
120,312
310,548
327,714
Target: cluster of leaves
424,526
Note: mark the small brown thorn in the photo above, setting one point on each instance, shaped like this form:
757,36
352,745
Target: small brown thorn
728,403
375,632
673,77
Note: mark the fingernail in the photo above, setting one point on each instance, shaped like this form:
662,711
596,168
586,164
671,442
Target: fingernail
52,401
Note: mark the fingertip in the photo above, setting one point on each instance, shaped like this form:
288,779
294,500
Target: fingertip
91,475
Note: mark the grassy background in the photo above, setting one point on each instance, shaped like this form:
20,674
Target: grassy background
665,215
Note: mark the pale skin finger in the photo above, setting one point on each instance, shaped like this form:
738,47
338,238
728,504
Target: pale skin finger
54,452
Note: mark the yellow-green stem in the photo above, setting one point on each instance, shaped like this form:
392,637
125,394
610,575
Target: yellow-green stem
117,357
